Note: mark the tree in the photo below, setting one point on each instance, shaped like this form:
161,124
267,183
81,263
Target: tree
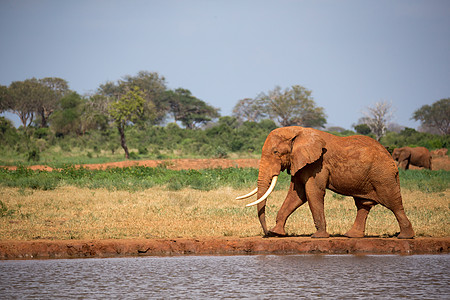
33,97
3,98
95,113
152,87
53,90
363,129
67,117
189,110
377,118
23,98
126,109
293,106
436,116
248,109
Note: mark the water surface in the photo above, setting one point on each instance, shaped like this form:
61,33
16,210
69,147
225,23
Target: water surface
232,277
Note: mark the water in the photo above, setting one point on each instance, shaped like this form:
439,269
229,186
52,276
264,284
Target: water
220,277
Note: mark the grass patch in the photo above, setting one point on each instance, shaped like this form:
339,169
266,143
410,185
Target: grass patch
134,178
140,202
81,213
425,180
140,178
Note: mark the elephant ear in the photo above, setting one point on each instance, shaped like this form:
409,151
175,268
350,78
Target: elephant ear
307,147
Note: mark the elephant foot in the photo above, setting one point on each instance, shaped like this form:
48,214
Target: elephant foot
354,234
274,234
320,235
406,235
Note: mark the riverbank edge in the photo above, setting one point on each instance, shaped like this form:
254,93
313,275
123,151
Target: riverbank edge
53,249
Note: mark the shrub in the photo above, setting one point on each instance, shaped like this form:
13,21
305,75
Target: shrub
33,155
221,152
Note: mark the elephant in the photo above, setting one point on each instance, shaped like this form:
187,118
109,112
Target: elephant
419,156
356,166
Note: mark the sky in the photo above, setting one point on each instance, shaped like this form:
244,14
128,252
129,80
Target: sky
349,53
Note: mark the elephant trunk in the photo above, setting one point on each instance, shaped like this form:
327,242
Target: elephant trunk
266,184
267,179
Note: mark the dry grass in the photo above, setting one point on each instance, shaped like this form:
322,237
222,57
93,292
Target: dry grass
81,213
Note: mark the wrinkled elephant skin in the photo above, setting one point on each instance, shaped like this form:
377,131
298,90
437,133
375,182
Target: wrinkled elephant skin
355,166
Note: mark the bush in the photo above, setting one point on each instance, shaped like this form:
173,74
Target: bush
143,150
134,155
33,155
220,153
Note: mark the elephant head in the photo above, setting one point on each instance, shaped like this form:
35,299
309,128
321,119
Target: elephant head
396,153
287,148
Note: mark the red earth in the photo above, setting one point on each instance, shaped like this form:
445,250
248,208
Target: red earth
438,163
216,245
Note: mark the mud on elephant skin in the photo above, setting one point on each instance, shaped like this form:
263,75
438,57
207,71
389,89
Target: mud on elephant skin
406,156
355,166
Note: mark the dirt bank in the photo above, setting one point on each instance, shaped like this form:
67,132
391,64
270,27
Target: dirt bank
174,164
439,163
218,246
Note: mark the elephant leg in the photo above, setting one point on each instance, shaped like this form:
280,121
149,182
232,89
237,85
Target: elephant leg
403,164
294,199
363,207
315,196
393,201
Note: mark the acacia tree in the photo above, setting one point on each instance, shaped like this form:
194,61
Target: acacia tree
435,116
377,118
292,106
23,98
189,110
34,97
127,109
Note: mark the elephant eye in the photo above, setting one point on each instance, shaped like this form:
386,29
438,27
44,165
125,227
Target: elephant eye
276,152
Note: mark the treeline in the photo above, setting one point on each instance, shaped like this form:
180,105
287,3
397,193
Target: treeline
221,139
145,119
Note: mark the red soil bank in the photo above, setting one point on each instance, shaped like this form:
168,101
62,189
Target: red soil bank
218,246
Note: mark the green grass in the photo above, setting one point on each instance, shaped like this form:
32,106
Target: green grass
425,180
140,178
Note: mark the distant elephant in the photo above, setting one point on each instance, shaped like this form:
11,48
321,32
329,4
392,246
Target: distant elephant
418,156
439,152
355,166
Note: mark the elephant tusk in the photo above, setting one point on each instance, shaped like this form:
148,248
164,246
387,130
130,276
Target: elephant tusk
247,195
264,197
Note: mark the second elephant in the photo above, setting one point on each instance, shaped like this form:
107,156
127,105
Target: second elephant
419,156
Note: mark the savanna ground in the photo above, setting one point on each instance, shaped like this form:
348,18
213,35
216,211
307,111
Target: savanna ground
190,205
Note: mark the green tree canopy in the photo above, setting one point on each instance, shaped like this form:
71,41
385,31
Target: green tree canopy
127,109
189,110
152,87
435,116
67,117
33,99
23,99
55,89
3,98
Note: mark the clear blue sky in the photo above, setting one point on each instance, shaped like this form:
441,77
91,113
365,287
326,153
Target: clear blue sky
351,54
